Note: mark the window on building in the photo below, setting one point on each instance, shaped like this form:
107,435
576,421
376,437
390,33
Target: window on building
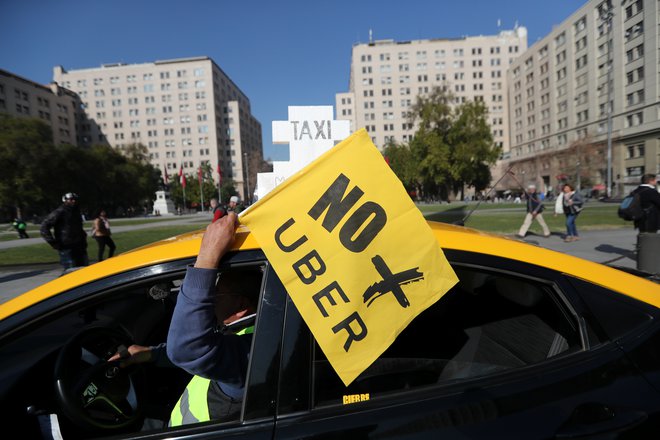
634,31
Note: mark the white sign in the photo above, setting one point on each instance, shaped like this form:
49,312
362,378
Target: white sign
310,132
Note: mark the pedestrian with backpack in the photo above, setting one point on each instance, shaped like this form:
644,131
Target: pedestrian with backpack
649,199
572,202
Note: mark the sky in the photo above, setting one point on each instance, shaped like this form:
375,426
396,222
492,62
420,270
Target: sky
279,53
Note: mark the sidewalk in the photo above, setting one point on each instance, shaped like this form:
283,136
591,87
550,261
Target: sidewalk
613,246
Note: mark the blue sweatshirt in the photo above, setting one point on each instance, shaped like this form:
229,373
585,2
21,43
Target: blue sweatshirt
194,342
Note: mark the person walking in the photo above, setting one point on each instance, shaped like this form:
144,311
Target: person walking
102,235
559,202
650,201
233,205
217,210
20,226
63,231
534,209
572,202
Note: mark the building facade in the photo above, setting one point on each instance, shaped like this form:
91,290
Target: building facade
187,112
56,106
567,88
386,77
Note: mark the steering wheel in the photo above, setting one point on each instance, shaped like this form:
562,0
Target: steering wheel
93,393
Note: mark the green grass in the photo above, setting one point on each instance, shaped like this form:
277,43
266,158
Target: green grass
8,233
507,218
125,241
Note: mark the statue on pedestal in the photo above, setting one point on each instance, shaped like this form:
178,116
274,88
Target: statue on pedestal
163,204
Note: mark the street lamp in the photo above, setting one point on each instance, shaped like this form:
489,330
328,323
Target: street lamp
247,177
606,16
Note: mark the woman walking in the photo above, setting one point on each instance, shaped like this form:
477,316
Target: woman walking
101,233
572,202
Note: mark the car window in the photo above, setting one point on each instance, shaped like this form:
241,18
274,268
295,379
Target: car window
104,321
613,315
488,323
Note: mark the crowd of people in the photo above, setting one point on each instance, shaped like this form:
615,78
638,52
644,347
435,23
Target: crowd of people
570,203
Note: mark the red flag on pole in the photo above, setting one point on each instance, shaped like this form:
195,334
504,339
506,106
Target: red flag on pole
183,181
219,173
165,176
181,171
199,174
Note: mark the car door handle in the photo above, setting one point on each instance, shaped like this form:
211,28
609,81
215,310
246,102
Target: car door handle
595,418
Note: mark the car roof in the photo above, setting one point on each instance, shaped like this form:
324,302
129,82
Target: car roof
448,236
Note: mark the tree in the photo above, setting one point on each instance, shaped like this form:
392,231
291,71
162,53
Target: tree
209,188
228,189
430,147
400,160
582,162
27,156
36,173
473,150
453,146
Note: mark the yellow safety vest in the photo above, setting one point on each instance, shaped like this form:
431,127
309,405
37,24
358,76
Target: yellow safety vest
192,406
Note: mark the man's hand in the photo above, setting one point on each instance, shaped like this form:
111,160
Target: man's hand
217,240
135,354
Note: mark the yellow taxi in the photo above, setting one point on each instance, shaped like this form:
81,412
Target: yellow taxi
529,344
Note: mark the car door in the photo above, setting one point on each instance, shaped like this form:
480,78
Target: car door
138,304
507,353
258,411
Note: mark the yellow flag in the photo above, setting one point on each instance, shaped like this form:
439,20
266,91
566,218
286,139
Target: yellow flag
354,253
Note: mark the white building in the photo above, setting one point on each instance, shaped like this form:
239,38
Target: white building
387,76
185,111
558,96
56,106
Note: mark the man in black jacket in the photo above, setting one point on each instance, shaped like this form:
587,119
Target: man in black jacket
68,236
650,201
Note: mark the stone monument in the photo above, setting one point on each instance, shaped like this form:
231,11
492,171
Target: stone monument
163,204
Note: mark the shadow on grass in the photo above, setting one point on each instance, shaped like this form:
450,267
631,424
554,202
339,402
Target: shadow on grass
452,216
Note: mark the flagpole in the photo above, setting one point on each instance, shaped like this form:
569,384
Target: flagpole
184,198
201,189
219,185
183,181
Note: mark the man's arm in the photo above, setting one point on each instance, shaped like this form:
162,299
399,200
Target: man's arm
48,223
654,197
577,199
192,342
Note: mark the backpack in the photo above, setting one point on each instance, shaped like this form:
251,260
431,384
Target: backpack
630,208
